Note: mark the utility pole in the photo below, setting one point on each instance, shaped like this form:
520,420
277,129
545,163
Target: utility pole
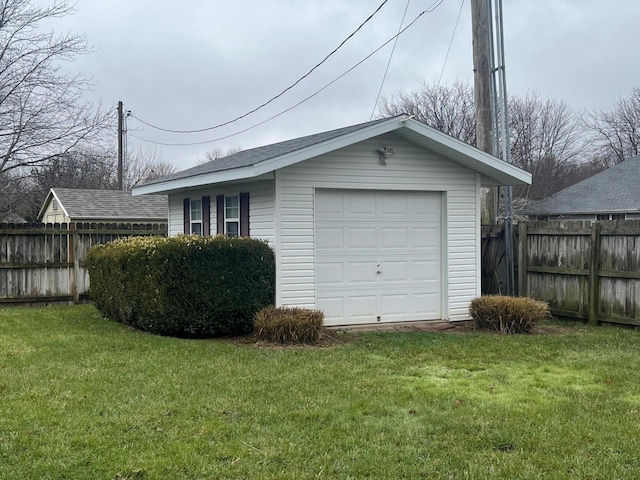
503,139
480,21
120,146
492,122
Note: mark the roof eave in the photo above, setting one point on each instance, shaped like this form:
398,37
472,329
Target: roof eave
272,164
494,170
202,180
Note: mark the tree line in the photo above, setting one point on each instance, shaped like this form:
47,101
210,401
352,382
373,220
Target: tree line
556,143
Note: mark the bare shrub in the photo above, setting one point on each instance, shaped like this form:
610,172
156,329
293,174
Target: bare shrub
507,315
289,325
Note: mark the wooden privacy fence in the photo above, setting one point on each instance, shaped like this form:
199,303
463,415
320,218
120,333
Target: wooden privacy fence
493,260
584,270
45,262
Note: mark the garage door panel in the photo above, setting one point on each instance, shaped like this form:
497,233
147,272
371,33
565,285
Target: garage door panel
361,273
395,271
394,205
425,237
361,238
362,305
426,271
361,204
333,307
394,237
394,304
380,258
330,274
423,304
329,238
331,205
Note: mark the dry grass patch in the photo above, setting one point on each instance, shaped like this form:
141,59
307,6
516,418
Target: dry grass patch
289,325
508,315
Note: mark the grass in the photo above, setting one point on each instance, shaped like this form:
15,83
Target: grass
84,398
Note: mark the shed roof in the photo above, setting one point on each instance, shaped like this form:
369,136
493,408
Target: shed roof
109,205
612,190
258,161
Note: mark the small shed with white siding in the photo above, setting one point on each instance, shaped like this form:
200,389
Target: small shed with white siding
377,222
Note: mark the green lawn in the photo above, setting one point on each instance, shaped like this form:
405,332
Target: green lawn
84,398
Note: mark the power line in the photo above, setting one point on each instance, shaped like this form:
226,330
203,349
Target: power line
199,130
455,27
317,92
384,77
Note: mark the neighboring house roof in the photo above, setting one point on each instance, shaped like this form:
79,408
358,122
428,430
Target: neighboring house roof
255,162
614,190
107,205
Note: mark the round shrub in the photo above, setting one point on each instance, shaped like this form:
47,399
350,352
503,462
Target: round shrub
507,314
183,286
289,325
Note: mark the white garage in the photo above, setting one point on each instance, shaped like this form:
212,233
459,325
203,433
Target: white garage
372,223
378,256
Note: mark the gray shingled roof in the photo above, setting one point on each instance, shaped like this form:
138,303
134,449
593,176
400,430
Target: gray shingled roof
111,204
612,190
253,156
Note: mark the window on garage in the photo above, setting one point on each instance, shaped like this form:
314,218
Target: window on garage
196,217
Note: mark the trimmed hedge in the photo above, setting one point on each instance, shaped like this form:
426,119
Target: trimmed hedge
289,325
507,314
189,285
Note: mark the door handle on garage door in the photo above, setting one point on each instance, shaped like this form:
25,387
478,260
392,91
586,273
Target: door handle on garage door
378,271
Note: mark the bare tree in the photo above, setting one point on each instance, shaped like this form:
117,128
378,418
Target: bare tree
42,115
448,108
13,208
547,136
145,166
616,130
217,153
547,140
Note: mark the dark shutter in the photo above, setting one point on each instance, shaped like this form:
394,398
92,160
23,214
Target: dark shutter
244,214
187,215
206,215
220,214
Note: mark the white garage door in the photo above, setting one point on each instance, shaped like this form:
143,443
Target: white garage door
378,256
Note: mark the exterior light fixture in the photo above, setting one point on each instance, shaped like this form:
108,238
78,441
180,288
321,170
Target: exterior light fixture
385,152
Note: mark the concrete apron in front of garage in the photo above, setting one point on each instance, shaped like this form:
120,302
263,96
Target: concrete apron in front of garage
425,326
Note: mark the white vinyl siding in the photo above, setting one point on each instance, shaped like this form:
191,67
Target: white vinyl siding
176,206
358,167
261,211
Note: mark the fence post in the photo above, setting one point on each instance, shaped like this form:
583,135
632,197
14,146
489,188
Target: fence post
594,291
73,258
523,259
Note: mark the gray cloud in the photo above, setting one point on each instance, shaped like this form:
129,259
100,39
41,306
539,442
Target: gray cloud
206,62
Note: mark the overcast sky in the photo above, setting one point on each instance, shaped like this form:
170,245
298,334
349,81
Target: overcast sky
197,63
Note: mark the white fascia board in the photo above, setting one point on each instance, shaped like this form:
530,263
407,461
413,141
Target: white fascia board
490,166
171,186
